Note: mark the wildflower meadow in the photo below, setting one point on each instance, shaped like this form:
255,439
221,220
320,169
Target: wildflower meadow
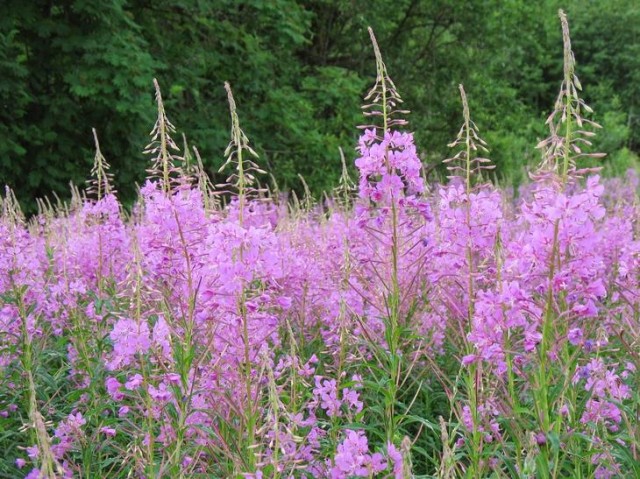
398,327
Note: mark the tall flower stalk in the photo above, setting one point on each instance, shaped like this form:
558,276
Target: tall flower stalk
389,182
561,150
385,98
241,184
467,165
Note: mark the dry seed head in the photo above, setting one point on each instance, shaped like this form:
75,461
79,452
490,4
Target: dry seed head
211,202
346,190
466,163
45,208
568,137
274,189
242,180
162,147
383,100
569,58
465,104
101,178
307,201
11,208
77,197
188,166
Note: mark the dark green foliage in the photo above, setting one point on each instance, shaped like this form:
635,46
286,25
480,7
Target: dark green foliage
299,70
77,65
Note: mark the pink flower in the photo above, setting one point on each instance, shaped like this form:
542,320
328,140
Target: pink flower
353,458
351,397
33,452
396,459
108,431
134,382
575,336
161,393
129,338
34,474
113,388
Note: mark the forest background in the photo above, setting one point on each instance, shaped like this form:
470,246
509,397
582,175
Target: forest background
299,70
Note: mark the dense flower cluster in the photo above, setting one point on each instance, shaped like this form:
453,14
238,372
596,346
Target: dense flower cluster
135,297
388,166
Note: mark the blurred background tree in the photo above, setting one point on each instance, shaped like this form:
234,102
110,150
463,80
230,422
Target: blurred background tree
299,70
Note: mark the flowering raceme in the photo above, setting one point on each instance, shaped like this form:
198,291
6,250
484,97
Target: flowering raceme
353,458
389,167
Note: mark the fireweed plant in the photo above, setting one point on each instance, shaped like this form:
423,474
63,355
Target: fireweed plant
395,329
